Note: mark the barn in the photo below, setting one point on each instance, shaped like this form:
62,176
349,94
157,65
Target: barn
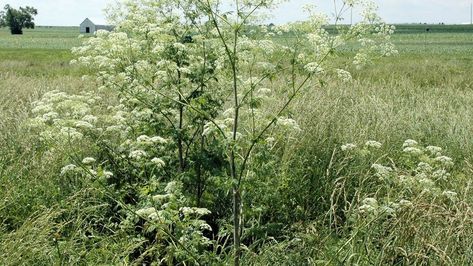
87,26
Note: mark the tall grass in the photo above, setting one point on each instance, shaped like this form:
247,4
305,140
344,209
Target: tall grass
424,94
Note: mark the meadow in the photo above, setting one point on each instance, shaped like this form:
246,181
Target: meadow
425,94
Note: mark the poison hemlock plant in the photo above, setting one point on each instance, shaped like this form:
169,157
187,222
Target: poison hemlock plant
204,93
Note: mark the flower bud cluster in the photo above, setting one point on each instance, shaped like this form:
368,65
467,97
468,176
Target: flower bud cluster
61,117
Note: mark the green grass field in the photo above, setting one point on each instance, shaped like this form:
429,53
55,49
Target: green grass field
425,93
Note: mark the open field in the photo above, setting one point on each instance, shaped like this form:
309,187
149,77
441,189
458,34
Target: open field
425,94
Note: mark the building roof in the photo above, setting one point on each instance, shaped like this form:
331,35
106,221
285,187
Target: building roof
98,26
87,20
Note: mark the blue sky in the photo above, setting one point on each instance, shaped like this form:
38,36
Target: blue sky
72,12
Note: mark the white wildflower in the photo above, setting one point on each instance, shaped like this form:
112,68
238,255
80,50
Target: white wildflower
160,198
90,118
107,174
314,68
382,171
158,162
146,212
137,154
373,144
205,226
369,205
444,160
92,172
289,123
404,179
68,168
159,140
441,174
264,91
172,187
426,183
88,160
186,211
409,143
344,75
360,60
83,124
115,129
72,133
434,150
43,108
412,150
143,139
348,147
154,215
201,211
210,127
423,167
50,116
393,205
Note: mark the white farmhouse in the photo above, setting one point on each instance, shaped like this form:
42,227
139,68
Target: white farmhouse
87,26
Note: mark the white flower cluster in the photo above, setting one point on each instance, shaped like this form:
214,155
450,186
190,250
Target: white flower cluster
87,168
360,60
63,117
147,141
145,151
138,155
288,123
431,171
441,174
434,150
373,144
161,198
409,143
383,172
149,213
372,207
344,75
444,161
348,147
70,168
88,160
424,167
416,179
314,68
410,147
168,209
158,162
413,151
369,146
187,211
369,205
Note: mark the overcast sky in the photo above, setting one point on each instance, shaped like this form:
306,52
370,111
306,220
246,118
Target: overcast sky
73,12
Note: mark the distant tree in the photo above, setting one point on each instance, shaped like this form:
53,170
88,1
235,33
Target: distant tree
17,19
